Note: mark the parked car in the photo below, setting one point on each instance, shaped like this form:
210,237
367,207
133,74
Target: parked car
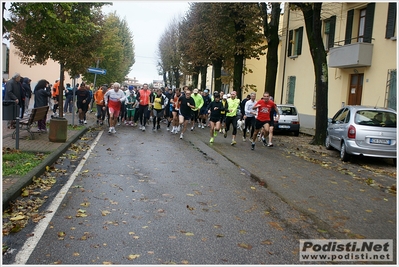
289,119
361,130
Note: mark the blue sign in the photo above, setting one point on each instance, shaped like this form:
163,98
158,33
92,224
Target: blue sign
97,71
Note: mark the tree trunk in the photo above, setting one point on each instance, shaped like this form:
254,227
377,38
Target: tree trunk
177,77
237,76
311,13
217,68
197,70
271,34
61,92
165,80
204,70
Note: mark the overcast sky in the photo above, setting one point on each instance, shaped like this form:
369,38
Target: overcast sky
147,20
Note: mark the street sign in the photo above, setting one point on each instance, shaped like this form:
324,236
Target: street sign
97,71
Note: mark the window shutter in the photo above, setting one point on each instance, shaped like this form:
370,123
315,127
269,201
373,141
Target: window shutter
300,34
391,20
368,27
349,25
331,33
290,34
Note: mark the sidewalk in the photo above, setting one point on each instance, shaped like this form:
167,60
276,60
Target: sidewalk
12,185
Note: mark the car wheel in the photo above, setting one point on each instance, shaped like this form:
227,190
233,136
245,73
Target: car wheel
327,143
343,154
394,162
296,133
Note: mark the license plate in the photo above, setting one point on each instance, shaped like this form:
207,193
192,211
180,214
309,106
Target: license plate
380,141
284,126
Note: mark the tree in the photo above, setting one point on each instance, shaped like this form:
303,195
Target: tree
116,53
64,32
313,24
270,29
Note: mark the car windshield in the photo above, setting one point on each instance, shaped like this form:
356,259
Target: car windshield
376,118
284,110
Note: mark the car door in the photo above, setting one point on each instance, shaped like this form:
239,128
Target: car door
336,129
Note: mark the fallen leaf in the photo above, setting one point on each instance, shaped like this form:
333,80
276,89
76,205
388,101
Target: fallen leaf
189,234
244,245
276,225
17,218
133,256
105,212
266,242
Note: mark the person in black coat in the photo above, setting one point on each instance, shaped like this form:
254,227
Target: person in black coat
42,94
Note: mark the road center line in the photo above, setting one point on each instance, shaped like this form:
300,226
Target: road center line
23,255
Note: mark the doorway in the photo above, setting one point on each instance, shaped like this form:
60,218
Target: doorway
355,89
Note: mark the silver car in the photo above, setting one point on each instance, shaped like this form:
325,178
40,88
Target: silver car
361,130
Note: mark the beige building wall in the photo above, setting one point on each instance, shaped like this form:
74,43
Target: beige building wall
50,71
384,58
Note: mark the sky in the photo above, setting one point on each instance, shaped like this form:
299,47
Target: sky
147,20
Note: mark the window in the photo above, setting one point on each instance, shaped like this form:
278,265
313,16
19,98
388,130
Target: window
329,32
362,20
295,42
365,27
391,21
391,94
291,89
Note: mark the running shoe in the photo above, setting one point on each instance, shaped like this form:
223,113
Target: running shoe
153,128
270,145
211,141
233,142
85,121
181,136
244,139
202,127
253,146
110,130
143,128
158,127
199,125
192,128
225,134
215,133
264,141
167,129
113,130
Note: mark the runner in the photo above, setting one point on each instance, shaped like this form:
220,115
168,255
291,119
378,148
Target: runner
231,116
186,103
199,102
264,107
175,111
214,110
143,97
113,98
249,117
160,101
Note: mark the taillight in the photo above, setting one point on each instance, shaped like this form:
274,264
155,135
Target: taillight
295,122
352,132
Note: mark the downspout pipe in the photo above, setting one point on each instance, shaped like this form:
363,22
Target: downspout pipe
285,53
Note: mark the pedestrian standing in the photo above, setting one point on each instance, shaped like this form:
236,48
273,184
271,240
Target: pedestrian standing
214,110
28,92
113,98
186,103
68,98
13,92
42,94
263,120
231,116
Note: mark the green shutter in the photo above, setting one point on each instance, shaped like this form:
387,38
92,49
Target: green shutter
368,27
299,47
349,25
291,89
392,93
391,21
331,33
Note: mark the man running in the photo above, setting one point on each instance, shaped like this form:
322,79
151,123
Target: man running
231,116
113,98
263,120
249,117
143,97
199,102
186,103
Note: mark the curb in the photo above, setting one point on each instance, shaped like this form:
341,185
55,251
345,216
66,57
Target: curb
15,190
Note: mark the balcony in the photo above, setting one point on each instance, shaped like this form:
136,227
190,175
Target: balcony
351,56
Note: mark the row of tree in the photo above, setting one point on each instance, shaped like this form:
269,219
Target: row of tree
224,34
76,35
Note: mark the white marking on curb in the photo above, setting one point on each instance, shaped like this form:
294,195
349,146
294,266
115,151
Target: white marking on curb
23,255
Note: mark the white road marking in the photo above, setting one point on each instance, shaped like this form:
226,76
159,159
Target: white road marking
23,255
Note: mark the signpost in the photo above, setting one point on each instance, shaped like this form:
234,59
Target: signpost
97,71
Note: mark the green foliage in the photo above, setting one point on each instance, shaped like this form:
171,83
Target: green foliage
116,52
20,163
65,32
